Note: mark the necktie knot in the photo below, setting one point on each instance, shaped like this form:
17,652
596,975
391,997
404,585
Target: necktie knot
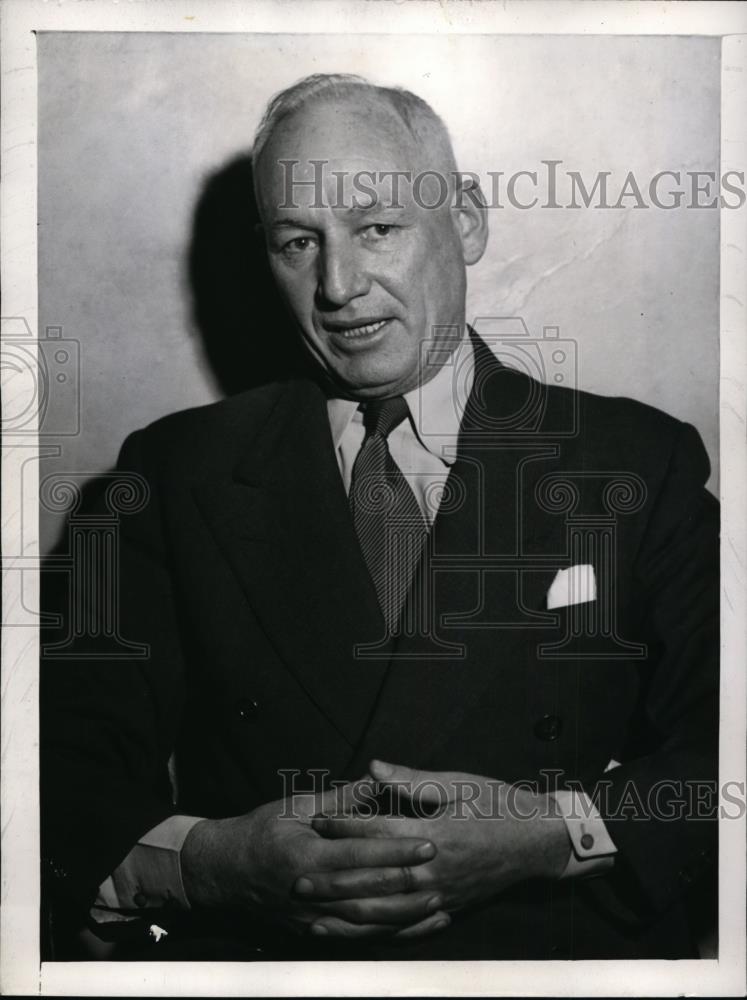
381,416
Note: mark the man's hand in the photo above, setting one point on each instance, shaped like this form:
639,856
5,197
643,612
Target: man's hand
253,861
489,835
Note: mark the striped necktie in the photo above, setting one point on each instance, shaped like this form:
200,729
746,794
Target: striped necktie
388,521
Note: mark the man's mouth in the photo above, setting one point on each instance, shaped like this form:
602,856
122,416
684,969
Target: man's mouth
355,331
360,331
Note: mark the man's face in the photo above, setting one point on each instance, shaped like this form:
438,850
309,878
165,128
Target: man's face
366,285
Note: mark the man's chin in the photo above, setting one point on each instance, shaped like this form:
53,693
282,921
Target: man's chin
371,382
370,375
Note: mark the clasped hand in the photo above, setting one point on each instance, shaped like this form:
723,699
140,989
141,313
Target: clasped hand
326,867
488,836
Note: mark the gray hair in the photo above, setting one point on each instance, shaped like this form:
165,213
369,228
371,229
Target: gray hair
416,114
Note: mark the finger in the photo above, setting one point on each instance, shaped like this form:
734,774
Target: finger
362,883
437,921
402,909
366,826
338,928
383,771
375,852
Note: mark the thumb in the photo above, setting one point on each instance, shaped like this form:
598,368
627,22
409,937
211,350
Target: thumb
435,787
426,786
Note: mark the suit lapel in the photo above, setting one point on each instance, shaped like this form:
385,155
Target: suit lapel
284,525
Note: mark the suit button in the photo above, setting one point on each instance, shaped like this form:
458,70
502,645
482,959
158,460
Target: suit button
587,841
247,709
548,728
686,876
139,899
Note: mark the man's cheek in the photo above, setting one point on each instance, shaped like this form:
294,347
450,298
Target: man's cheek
298,292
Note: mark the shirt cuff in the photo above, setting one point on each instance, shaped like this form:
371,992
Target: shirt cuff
592,848
150,877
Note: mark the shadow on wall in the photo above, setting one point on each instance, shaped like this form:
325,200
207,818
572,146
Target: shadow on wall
247,333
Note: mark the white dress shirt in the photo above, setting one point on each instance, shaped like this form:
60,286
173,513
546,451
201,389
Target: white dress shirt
424,445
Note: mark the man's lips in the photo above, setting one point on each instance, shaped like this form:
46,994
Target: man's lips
364,327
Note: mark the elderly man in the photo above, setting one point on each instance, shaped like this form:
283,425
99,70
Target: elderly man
414,558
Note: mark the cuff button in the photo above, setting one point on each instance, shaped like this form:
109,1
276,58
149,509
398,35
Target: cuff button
587,841
247,709
548,728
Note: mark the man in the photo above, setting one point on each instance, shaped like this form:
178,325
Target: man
414,558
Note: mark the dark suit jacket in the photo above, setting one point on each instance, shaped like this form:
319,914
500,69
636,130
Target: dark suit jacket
244,577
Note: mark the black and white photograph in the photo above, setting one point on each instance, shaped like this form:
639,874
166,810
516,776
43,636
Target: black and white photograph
374,488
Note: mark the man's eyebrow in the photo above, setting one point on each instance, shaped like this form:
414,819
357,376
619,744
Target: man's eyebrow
377,206
290,223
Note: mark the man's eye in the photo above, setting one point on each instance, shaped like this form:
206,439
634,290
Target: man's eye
379,230
298,245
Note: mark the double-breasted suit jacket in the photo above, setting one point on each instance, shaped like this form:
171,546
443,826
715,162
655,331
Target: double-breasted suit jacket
244,578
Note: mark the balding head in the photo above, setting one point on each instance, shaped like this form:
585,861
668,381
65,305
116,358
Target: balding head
424,127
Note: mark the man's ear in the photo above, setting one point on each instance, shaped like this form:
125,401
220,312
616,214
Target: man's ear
471,217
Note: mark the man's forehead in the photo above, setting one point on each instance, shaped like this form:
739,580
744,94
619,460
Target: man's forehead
344,154
307,168
346,134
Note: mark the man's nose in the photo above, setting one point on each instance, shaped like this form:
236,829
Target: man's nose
341,276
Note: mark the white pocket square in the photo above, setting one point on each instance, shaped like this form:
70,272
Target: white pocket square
574,585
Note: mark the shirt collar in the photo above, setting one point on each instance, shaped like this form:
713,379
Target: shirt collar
436,407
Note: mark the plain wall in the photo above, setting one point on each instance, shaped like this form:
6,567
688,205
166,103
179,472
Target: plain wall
132,126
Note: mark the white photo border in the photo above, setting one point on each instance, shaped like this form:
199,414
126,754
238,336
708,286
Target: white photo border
20,970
